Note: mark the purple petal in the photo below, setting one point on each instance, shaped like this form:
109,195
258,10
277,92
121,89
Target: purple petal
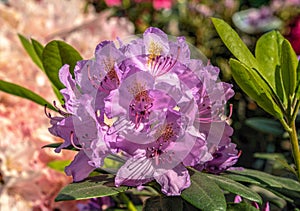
79,169
174,181
135,172
63,127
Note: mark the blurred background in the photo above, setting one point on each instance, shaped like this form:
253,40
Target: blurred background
27,181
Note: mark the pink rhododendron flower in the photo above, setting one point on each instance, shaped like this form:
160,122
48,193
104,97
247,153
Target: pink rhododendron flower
111,3
162,4
294,35
166,109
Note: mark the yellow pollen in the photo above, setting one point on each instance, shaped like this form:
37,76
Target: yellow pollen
166,132
138,90
154,50
110,69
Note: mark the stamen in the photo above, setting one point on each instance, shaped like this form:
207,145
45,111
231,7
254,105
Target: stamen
65,114
72,141
47,113
92,78
230,111
160,64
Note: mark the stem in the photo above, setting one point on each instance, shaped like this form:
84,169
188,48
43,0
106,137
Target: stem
295,147
294,115
126,200
285,125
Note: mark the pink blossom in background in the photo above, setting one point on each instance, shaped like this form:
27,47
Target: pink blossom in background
162,4
294,35
111,3
26,182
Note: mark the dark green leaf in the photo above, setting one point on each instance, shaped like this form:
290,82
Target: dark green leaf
168,203
92,187
289,64
292,195
279,195
268,179
235,187
58,94
279,86
242,206
38,48
298,81
55,145
17,90
285,164
234,43
265,125
55,55
171,203
267,54
152,204
288,183
31,51
254,87
204,193
241,178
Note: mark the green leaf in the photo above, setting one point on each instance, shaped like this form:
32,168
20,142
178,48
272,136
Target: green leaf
241,178
92,187
265,125
20,91
55,55
38,48
55,145
159,203
282,161
204,193
267,54
234,43
289,64
235,187
270,180
289,184
279,86
59,165
240,206
254,86
58,95
171,203
31,51
298,81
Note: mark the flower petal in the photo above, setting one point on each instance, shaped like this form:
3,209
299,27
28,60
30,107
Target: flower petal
173,181
79,169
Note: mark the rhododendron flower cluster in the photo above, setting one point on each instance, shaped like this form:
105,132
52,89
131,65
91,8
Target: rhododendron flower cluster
151,103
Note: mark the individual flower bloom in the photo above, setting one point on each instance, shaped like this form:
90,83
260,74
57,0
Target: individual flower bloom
160,155
225,154
212,94
238,199
98,77
79,128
